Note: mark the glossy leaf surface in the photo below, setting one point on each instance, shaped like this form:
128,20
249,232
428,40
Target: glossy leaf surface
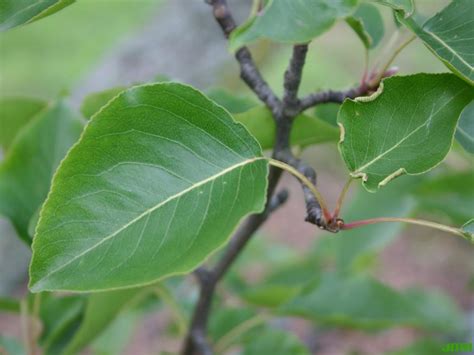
157,182
406,127
26,172
450,36
18,12
291,21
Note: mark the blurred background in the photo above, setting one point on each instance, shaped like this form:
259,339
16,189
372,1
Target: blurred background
98,44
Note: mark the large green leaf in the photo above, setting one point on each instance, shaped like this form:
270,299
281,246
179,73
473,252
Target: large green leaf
26,172
291,21
15,113
157,182
368,24
18,12
101,310
465,130
306,130
450,36
406,127
364,302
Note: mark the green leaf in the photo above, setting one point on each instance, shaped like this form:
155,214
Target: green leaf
15,114
93,102
291,21
225,320
306,130
465,130
406,6
26,172
18,12
275,342
363,302
368,24
468,230
101,310
269,295
449,35
450,195
60,317
116,337
328,113
232,103
406,127
158,181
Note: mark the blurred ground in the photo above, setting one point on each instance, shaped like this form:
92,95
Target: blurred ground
94,45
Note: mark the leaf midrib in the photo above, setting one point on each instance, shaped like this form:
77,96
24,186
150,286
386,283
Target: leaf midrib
150,210
395,146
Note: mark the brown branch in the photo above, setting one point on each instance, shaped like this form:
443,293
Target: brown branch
366,88
332,96
292,80
283,113
248,70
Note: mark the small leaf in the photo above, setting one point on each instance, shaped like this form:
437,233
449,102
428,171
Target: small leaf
465,129
93,102
101,310
15,13
26,172
368,24
15,114
450,36
275,342
406,6
468,230
290,21
306,130
158,181
406,127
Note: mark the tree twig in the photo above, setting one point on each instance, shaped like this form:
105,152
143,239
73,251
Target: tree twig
248,70
292,80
